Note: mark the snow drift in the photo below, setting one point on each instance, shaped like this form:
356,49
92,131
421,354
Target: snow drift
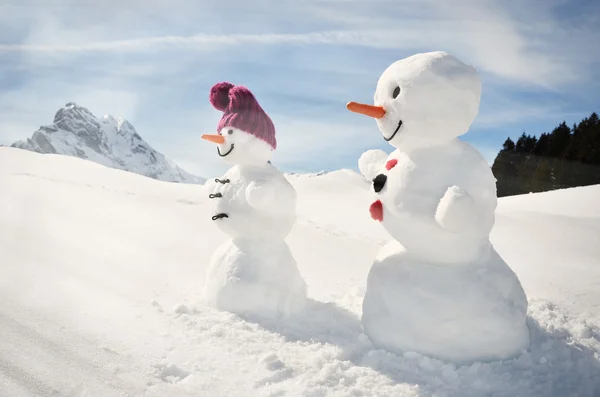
101,273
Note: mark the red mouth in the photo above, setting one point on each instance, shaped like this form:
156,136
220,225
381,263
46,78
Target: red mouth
376,210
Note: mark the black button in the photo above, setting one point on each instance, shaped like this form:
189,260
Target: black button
379,182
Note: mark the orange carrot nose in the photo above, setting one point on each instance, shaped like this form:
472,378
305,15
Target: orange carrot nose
368,110
214,138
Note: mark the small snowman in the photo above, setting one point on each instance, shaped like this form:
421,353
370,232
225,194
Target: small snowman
439,288
253,273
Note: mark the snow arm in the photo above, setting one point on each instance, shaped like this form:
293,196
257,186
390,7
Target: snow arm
210,186
371,163
269,196
456,210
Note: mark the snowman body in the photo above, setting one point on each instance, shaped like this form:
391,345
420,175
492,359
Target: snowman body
443,290
258,200
254,273
255,278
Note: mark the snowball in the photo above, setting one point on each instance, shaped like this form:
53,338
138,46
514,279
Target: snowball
462,313
371,162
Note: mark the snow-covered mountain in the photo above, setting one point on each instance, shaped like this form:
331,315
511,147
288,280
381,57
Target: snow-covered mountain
110,141
124,316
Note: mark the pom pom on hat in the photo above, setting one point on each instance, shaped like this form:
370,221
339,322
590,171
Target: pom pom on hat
241,110
219,95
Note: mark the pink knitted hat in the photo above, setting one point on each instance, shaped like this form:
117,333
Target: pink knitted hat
241,110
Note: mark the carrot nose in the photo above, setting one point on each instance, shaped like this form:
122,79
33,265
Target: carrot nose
368,110
214,138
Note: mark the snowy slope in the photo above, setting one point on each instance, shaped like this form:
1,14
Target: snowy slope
101,271
110,141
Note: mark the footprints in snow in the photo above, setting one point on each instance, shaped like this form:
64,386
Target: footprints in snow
170,373
177,309
165,371
272,362
280,373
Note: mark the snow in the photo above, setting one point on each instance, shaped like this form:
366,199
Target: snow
101,279
440,289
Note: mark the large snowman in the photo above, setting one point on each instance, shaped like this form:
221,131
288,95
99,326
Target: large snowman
441,289
253,273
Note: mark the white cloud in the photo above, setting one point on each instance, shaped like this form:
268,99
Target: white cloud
524,45
504,115
100,101
479,41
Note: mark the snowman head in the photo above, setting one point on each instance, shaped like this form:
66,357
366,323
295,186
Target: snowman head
424,100
245,133
236,146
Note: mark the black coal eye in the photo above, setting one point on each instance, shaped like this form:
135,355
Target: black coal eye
396,92
230,132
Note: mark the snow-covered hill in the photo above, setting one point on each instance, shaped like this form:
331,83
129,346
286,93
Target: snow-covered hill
110,141
101,272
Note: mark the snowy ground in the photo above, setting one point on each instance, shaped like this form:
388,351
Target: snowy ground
101,271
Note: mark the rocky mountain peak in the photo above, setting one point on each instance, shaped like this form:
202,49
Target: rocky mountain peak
110,141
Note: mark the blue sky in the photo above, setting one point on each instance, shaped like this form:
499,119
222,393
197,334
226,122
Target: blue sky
153,62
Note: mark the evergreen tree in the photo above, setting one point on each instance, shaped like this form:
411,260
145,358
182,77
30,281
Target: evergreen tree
525,143
541,147
530,143
574,144
505,172
559,140
543,178
589,147
520,145
508,145
566,157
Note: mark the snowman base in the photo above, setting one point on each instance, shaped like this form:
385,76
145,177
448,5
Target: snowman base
255,278
456,312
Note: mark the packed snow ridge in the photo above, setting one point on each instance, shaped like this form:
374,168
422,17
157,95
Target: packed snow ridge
110,141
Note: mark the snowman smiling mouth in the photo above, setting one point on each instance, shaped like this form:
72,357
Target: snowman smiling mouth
395,132
226,153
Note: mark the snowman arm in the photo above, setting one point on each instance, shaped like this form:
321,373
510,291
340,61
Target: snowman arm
456,210
372,163
210,186
266,196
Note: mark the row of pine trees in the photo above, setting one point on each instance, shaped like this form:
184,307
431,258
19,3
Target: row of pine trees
565,157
